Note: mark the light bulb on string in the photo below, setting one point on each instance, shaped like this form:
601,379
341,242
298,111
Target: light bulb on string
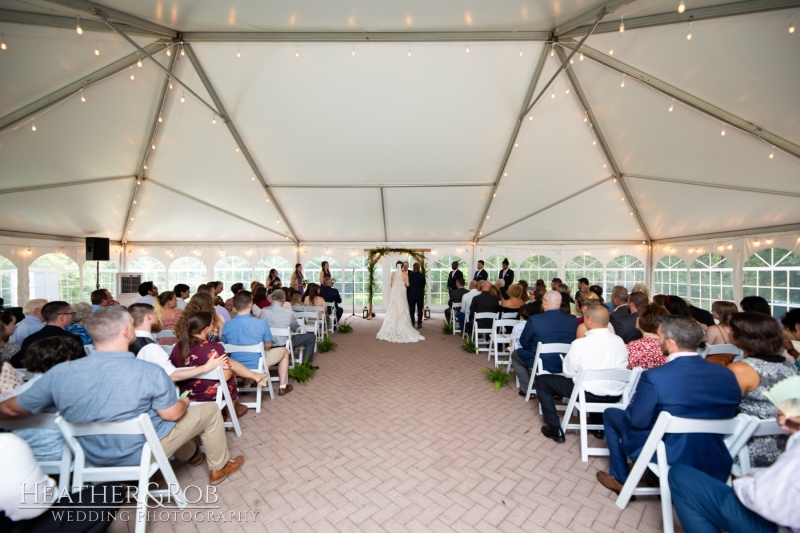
571,61
567,92
623,81
791,24
96,50
252,178
83,98
611,50
183,97
585,116
581,56
160,119
183,52
237,149
78,27
681,7
672,105
170,85
552,49
213,119
689,33
152,146
520,52
530,118
353,52
409,52
3,45
33,125
297,53
723,130
169,53
139,63
238,53
772,153
622,25
553,95
132,76
467,49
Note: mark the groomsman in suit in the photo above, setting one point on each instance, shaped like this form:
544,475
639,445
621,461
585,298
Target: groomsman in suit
507,275
625,327
480,274
416,293
455,274
680,387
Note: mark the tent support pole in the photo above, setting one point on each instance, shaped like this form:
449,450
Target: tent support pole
212,206
105,12
598,132
714,185
82,83
383,213
587,16
59,21
147,148
63,184
238,138
731,234
687,99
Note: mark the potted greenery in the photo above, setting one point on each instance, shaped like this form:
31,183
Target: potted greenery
325,345
302,373
469,346
447,328
344,327
497,376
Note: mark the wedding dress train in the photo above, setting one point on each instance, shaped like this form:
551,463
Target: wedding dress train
397,326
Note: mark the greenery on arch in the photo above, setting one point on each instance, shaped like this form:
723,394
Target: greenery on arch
376,254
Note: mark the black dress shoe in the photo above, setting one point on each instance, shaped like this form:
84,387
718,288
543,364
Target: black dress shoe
312,367
553,433
599,434
523,393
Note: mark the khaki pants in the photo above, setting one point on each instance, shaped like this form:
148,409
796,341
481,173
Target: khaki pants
204,420
274,355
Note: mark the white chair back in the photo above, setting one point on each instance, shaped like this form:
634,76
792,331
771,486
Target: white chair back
164,333
262,368
298,308
513,315
714,349
223,398
287,334
578,401
502,339
537,368
153,459
455,308
63,466
762,428
486,342
332,318
168,349
734,429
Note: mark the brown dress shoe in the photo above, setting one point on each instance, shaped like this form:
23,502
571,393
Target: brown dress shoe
198,457
609,481
285,390
215,477
240,409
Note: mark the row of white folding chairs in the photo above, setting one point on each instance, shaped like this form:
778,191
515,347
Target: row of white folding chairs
321,327
485,343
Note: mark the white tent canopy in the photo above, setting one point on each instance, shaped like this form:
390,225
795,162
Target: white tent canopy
347,125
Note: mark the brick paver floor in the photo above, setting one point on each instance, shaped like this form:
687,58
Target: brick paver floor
392,437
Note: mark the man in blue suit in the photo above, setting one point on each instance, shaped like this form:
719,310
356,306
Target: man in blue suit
686,386
550,326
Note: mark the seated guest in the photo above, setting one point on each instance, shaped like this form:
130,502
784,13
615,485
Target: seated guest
641,287
195,350
313,299
554,283
330,295
567,303
514,301
246,330
201,301
500,285
790,323
32,322
599,350
147,293
466,300
701,315
277,316
101,299
8,348
57,316
82,312
625,325
759,337
535,304
260,297
107,397
583,288
524,284
721,333
619,303
297,299
660,299
764,502
758,304
235,288
646,353
485,302
456,296
181,291
167,314
147,349
494,291
550,326
598,290
680,387
585,300
47,444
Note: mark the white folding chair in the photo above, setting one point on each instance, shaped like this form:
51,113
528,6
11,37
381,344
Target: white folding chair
538,368
320,323
153,459
501,338
735,430
62,467
223,398
167,349
262,369
298,308
454,310
333,321
509,316
164,333
310,322
287,333
486,343
763,428
714,349
578,401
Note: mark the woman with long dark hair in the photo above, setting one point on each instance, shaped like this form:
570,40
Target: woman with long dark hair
194,349
325,272
273,278
297,279
313,299
167,312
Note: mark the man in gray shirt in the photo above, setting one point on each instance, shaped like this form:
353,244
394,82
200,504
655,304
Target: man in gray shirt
111,385
277,316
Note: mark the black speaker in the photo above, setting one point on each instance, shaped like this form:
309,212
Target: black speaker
97,249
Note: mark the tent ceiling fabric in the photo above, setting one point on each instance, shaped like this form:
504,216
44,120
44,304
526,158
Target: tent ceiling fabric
432,117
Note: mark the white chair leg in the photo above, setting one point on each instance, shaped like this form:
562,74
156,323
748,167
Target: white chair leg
584,436
666,495
530,386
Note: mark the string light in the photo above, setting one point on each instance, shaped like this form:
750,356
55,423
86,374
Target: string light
139,63
96,50
353,51
553,95
213,119
723,130
791,25
689,33
585,116
520,52
33,125
297,53
530,118
516,145
132,76
611,51
552,49
183,96
183,52
169,53
238,53
623,81
581,56
772,153
681,7
78,27
622,25
3,45
467,50
160,119
83,98
567,91
409,52
672,105
237,149
152,146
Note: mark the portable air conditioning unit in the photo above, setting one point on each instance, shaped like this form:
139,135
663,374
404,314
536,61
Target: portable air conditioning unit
128,282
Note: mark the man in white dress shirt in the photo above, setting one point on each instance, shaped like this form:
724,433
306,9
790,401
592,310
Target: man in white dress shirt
181,291
599,350
147,293
466,301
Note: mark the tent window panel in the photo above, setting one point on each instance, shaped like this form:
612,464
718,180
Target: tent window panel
774,274
108,270
537,267
493,265
233,269
152,270
438,272
712,279
283,266
313,268
188,270
356,284
8,281
55,277
670,276
584,266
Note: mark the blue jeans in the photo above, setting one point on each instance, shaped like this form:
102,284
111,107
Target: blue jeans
706,505
460,318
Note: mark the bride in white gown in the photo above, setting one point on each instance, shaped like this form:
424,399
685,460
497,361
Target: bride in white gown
397,326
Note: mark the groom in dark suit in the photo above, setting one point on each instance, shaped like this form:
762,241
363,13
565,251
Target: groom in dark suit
507,275
480,273
454,275
416,293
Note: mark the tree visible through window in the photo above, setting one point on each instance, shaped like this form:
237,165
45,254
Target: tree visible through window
55,277
188,270
625,270
438,272
356,284
108,270
584,266
8,281
669,276
711,278
774,274
152,270
537,267
233,269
